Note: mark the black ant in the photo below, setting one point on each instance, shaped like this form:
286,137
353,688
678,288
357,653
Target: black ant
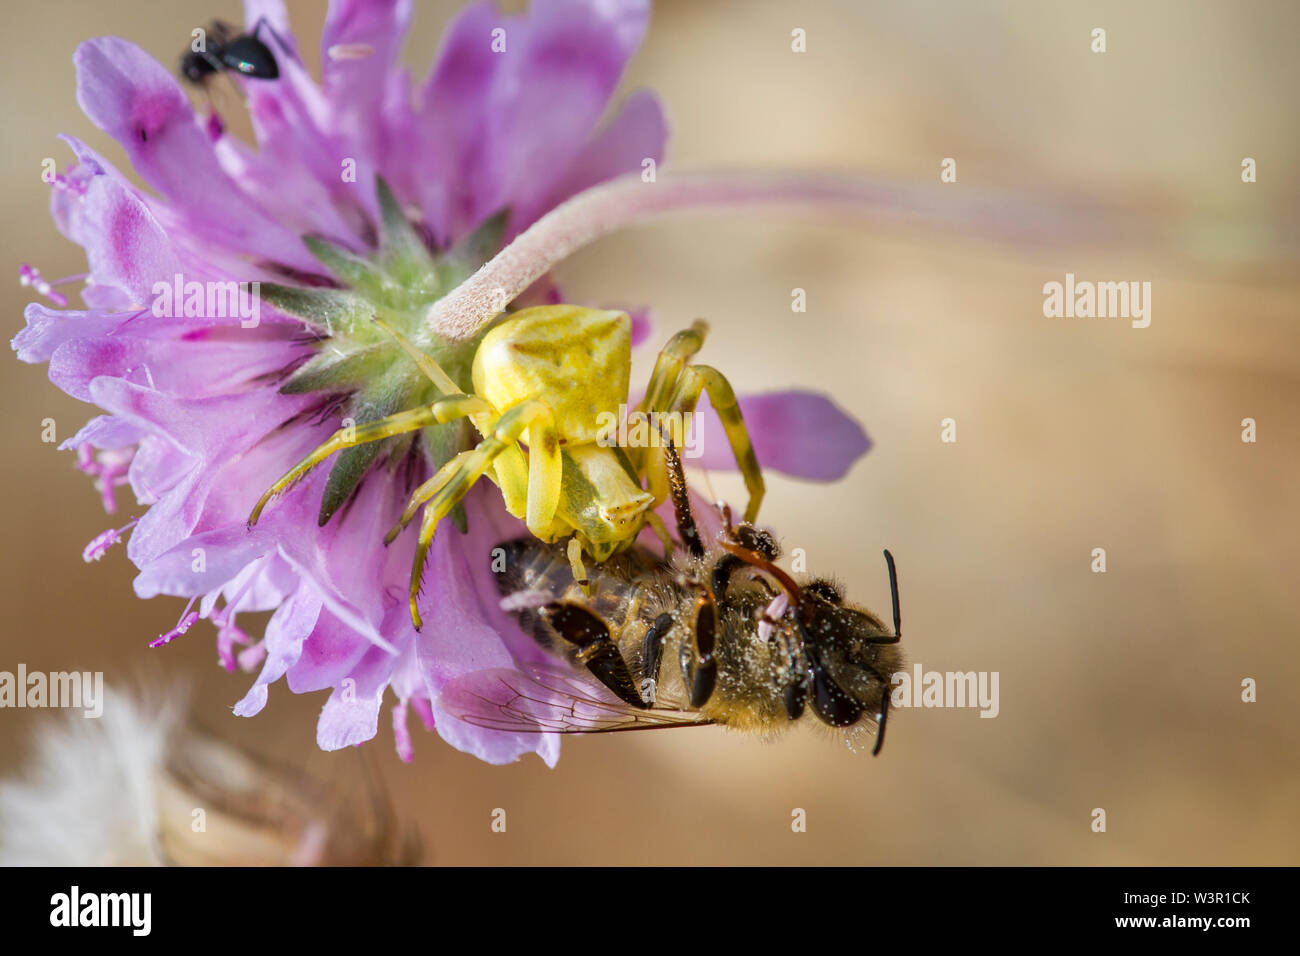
224,49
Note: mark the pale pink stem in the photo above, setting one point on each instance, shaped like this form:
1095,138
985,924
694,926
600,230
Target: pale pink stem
629,200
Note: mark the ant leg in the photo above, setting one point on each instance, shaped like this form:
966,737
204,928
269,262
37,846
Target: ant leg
262,21
214,62
218,69
596,650
221,32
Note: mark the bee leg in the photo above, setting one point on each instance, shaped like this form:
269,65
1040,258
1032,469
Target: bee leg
686,527
595,649
699,669
652,653
723,569
796,695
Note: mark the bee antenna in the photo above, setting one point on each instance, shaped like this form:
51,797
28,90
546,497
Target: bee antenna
893,590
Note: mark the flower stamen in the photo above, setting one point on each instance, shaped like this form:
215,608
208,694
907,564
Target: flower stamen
100,544
188,617
108,467
31,276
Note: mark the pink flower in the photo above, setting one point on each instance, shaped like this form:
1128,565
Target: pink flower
204,408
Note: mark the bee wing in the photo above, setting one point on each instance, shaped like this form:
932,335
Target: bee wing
548,700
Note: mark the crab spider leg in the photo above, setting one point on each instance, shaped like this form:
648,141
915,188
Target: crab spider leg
398,424
661,532
511,475
669,363
675,386
423,360
422,494
686,395
668,368
534,496
454,480
416,418
574,553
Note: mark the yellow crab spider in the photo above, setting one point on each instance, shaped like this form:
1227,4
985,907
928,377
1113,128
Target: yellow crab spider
549,377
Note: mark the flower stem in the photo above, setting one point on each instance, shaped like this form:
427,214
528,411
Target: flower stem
629,200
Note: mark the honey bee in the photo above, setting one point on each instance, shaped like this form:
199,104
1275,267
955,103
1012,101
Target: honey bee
716,634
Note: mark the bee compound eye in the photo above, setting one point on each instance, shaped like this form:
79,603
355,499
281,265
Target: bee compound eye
830,703
796,694
706,677
826,590
700,675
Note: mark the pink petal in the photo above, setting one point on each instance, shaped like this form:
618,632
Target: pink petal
329,653
351,715
572,53
450,126
133,98
285,633
356,88
490,123
638,132
803,434
128,247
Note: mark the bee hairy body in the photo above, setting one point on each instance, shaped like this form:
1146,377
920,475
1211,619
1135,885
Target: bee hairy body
656,614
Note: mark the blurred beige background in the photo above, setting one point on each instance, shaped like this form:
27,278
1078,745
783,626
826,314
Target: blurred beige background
1120,690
